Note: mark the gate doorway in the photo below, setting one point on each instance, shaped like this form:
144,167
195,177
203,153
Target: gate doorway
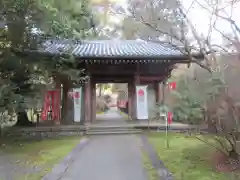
111,102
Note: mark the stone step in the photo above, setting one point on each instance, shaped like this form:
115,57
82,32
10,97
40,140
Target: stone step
111,129
112,132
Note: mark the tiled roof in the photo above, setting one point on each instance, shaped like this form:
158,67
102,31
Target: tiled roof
109,48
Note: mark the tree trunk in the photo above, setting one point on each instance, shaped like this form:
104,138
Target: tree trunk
23,119
233,154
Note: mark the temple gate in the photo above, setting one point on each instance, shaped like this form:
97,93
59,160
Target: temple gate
122,61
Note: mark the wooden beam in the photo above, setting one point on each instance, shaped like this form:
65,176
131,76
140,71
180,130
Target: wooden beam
93,88
152,78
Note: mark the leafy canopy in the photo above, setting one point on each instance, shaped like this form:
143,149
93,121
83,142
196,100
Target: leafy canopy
24,21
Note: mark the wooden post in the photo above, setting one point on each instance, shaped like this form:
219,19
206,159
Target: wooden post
87,106
157,92
93,102
157,96
136,82
166,115
130,99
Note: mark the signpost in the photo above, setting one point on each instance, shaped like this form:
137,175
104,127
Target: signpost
168,116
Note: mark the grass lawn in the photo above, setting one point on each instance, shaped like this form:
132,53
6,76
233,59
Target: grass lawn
44,154
99,112
125,115
187,158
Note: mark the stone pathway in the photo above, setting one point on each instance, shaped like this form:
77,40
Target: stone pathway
113,157
108,158
111,116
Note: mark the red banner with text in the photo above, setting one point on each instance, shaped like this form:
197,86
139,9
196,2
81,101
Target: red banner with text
52,104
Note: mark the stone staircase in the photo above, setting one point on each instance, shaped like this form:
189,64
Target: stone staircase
108,130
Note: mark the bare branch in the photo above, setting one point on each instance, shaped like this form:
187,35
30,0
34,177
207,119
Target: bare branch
211,144
156,29
202,65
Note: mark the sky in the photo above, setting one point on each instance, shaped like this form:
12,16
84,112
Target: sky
200,18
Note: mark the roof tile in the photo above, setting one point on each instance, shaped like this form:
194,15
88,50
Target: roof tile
110,48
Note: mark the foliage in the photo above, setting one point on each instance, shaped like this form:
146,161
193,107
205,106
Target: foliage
207,99
187,158
223,117
191,96
65,18
103,87
153,20
23,22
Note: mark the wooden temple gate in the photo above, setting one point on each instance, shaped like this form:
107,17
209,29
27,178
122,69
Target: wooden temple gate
121,61
132,72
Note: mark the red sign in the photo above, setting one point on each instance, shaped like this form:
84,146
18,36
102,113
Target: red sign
169,117
140,92
172,85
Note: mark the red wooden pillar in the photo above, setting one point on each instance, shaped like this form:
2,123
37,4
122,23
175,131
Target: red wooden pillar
93,102
157,92
88,99
134,96
130,99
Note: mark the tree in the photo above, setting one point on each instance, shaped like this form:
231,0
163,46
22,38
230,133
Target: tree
107,27
150,16
68,19
101,87
220,108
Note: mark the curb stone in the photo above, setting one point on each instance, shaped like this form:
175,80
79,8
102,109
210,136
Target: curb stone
162,171
60,168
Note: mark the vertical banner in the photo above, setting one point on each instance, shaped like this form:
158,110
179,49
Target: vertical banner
142,102
77,97
57,105
46,106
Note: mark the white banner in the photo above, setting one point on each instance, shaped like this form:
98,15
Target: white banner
77,101
142,102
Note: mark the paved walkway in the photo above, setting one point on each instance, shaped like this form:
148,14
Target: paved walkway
108,158
111,116
113,157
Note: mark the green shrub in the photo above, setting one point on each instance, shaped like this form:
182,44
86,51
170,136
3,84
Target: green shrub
191,96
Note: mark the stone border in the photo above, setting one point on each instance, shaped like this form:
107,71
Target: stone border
162,171
60,168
